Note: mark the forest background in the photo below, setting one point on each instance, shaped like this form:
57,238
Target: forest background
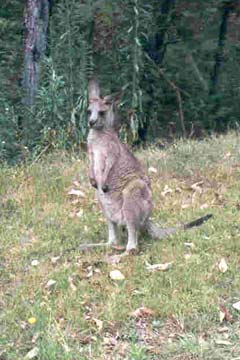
175,61
176,64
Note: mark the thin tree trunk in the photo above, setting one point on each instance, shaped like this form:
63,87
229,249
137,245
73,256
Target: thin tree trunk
190,59
226,10
156,47
179,99
36,21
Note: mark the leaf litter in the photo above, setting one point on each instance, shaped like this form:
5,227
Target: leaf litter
116,275
77,193
142,312
236,305
158,267
222,266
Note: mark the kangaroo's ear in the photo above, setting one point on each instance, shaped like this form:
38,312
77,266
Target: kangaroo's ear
93,89
114,98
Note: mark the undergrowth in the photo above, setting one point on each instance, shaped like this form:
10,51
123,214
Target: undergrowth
82,313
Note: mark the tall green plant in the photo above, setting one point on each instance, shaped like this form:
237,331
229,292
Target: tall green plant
136,105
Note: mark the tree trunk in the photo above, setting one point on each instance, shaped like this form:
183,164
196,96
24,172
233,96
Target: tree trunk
156,47
36,21
226,10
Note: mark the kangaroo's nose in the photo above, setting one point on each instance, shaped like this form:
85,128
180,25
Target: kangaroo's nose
91,122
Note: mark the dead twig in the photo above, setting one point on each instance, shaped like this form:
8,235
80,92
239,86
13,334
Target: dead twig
179,99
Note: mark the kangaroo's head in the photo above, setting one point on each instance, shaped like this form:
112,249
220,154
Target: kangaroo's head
102,111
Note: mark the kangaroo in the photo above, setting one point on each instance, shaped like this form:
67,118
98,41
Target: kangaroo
123,187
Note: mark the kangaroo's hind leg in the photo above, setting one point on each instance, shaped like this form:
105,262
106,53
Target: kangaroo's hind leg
132,237
137,206
112,233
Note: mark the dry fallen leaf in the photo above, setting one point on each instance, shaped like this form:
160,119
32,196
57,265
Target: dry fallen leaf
222,265
186,204
223,342
204,206
196,187
84,340
221,316
142,312
50,283
79,214
224,314
166,190
35,337
187,256
66,347
76,183
222,329
32,353
158,267
23,325
113,259
35,263
99,323
75,192
71,284
189,245
227,155
55,259
152,169
116,275
89,271
236,306
109,341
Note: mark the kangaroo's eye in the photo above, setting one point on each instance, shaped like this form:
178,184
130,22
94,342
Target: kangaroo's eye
88,111
101,113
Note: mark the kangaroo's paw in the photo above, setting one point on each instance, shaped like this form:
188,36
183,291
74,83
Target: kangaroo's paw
131,249
131,252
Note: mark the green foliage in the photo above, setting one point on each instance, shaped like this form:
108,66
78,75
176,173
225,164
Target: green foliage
112,40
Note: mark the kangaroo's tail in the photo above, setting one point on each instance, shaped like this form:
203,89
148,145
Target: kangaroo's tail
160,233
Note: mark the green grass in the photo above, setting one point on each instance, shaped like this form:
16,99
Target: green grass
39,221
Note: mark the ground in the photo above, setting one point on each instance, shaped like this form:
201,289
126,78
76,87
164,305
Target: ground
57,302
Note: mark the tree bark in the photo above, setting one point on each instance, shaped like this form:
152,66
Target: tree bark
36,21
226,10
156,47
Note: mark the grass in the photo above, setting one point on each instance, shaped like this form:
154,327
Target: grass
85,314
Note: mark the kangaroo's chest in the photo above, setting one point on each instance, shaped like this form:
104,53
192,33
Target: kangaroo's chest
98,147
99,158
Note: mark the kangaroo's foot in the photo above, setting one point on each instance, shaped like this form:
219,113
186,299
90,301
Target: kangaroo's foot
132,251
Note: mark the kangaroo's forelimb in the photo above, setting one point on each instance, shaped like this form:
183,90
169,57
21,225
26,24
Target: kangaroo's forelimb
108,164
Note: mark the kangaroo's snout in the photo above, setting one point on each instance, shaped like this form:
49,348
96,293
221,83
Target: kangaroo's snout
93,117
92,122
